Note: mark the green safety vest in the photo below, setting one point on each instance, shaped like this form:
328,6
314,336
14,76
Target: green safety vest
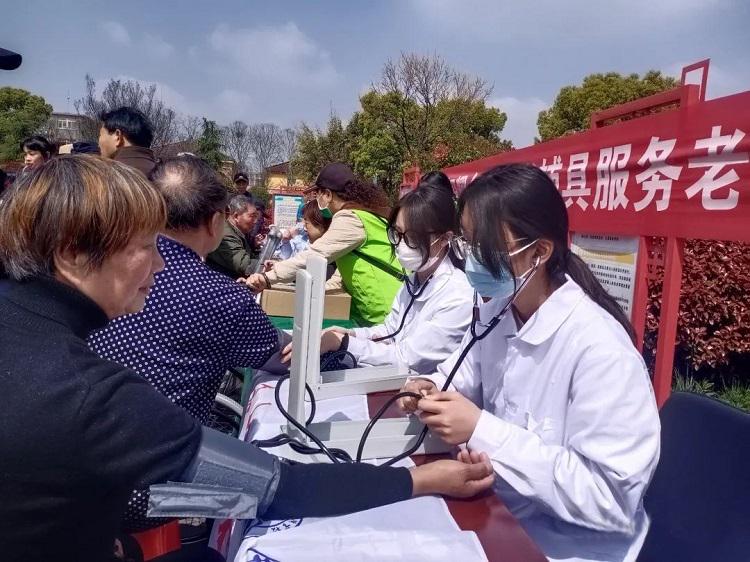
367,273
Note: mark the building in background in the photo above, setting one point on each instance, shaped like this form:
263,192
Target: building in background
64,128
277,176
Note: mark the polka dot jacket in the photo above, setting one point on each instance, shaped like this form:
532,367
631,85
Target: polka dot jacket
196,324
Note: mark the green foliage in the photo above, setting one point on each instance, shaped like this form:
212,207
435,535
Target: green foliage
209,144
316,148
737,395
391,131
690,384
261,193
21,115
422,112
572,109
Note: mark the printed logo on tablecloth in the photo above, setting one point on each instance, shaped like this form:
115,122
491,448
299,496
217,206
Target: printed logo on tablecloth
264,527
259,557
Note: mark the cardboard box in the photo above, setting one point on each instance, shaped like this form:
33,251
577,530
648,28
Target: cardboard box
279,301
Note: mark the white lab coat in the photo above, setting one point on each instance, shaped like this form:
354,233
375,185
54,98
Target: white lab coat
433,329
570,423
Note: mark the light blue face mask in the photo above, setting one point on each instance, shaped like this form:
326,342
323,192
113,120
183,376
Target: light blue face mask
489,286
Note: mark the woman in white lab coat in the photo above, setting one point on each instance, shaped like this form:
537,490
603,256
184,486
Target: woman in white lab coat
432,310
556,393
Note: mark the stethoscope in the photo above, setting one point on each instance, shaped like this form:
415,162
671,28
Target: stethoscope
475,337
494,321
414,295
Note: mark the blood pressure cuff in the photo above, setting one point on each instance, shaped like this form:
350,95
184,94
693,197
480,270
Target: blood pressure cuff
226,479
178,499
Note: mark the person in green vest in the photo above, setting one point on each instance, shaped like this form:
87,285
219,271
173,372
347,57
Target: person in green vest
356,241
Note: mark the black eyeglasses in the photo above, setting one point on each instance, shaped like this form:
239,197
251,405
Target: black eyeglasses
409,237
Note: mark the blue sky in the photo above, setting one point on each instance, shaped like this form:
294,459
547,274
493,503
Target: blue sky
294,61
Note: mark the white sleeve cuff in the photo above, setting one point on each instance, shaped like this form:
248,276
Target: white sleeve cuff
357,346
490,434
362,332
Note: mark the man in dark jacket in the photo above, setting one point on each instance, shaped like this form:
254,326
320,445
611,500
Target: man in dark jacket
234,256
126,136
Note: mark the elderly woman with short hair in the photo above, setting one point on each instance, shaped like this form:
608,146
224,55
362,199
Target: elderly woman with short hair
78,433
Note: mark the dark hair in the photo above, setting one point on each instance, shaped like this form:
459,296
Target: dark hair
365,196
239,203
427,212
133,125
437,180
85,147
311,212
192,190
80,203
3,177
524,199
38,143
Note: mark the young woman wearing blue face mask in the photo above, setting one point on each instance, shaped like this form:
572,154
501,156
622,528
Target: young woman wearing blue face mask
432,310
556,393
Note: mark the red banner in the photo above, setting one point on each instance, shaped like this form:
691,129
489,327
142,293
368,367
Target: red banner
683,173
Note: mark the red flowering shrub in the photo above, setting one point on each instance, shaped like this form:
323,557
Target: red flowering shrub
714,319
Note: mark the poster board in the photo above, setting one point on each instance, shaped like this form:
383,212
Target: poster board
285,209
612,260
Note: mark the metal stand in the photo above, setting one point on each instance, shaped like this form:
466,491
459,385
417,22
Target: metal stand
389,437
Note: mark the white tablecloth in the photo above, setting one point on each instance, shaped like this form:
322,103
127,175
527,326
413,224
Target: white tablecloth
420,528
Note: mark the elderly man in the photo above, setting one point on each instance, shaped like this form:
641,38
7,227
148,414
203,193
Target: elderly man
196,322
234,256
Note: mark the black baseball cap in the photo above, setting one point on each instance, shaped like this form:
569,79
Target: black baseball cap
241,176
335,176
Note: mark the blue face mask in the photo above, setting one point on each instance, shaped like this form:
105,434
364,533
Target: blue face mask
489,286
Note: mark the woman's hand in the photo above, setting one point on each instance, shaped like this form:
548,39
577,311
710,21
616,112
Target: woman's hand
450,415
339,330
419,386
256,282
460,479
330,341
286,354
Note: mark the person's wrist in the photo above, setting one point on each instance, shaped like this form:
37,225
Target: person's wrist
420,481
266,280
344,343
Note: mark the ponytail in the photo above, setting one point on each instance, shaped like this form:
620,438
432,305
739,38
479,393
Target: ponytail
579,271
525,200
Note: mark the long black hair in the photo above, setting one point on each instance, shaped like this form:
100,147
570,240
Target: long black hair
437,180
524,199
428,212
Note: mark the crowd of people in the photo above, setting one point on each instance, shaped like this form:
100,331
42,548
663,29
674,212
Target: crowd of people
129,288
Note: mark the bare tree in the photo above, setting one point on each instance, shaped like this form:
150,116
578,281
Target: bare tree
418,84
235,140
288,150
127,93
189,128
265,146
